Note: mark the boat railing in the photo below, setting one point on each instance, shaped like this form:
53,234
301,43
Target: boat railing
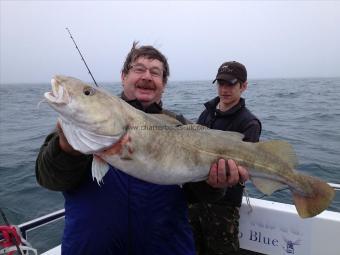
41,221
54,216
335,186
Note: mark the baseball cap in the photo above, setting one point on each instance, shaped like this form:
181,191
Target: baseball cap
231,72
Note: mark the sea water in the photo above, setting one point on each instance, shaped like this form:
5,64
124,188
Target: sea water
304,112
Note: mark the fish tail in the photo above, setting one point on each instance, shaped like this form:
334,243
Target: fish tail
316,201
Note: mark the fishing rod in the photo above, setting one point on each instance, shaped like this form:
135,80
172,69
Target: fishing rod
82,58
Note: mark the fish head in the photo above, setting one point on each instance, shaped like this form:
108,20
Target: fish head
84,106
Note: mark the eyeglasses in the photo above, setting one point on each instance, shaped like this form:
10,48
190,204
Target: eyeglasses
141,69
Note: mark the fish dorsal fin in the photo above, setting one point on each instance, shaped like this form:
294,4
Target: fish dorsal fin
201,138
238,137
280,149
167,119
213,133
267,186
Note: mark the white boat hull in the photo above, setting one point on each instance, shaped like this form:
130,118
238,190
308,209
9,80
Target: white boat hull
276,228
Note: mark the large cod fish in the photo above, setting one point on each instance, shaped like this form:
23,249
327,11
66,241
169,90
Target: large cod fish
162,152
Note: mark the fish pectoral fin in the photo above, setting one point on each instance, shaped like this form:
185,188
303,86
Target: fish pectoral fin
99,169
126,152
267,186
280,149
320,197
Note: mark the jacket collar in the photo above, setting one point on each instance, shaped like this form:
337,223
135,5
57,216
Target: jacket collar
153,108
212,104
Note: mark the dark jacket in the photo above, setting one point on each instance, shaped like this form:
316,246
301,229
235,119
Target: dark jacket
124,215
238,119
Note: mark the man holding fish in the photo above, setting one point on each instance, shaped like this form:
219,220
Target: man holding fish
122,214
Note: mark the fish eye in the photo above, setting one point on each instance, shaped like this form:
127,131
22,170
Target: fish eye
89,91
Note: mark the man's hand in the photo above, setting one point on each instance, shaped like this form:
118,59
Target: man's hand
224,175
117,148
63,143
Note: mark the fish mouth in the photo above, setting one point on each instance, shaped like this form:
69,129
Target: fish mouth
58,95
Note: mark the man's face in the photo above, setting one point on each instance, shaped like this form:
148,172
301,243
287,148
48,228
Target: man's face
230,94
144,81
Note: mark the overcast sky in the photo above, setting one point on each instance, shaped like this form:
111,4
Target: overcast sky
274,39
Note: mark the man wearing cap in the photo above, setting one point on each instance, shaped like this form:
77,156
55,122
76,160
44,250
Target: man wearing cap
215,223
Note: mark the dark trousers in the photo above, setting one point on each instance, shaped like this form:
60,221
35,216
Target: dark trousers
215,228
